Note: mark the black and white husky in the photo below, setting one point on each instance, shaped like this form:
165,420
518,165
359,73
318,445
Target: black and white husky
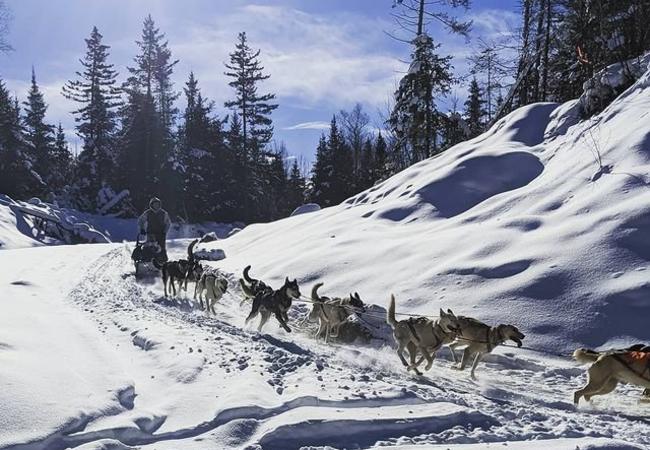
275,302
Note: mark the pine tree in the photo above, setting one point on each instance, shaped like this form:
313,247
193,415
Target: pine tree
364,177
474,110
203,158
380,169
254,109
342,182
58,176
415,119
255,128
17,179
147,117
322,174
96,91
296,187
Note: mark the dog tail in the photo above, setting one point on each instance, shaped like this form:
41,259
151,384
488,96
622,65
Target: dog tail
190,250
584,355
246,289
157,265
390,317
314,292
246,276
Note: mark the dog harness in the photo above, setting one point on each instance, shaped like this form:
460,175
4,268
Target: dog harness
629,358
409,323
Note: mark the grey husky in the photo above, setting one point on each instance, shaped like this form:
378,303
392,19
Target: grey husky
480,339
214,285
331,313
419,334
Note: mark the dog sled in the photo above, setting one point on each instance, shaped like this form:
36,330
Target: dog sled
144,254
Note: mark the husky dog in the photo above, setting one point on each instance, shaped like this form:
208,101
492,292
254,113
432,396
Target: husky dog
630,365
250,286
420,334
277,302
195,269
332,313
214,286
479,339
173,271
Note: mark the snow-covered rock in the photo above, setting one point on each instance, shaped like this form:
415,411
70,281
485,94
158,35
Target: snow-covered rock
306,208
608,83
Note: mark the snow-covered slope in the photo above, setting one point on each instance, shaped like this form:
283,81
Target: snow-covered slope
520,225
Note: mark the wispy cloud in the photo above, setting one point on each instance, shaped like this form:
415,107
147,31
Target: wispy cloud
313,60
317,125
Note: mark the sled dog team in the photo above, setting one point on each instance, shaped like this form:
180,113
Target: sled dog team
419,336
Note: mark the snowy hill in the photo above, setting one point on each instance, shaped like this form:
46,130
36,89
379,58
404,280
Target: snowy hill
519,225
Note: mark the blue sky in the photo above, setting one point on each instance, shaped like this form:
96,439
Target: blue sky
322,55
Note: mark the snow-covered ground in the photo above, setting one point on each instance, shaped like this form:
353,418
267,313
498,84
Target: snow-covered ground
92,358
521,225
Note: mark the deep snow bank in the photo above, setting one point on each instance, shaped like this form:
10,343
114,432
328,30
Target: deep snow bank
522,224
20,226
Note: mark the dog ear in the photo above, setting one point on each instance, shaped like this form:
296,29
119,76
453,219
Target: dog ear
286,280
451,313
357,295
442,313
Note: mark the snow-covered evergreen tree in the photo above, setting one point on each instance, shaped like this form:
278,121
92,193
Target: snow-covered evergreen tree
254,109
475,113
254,126
96,92
415,120
38,134
17,179
147,138
203,157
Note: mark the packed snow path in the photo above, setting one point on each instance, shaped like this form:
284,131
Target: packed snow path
93,358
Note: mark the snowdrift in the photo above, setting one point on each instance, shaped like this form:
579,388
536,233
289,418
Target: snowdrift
543,221
36,223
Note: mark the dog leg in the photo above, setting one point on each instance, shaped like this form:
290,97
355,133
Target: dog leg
597,380
609,387
452,346
428,357
400,353
280,317
467,354
263,320
255,310
477,358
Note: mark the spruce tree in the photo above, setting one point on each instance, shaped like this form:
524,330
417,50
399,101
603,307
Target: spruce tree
296,187
17,179
147,117
415,119
203,157
343,181
96,92
60,163
380,169
474,110
38,134
254,109
322,174
255,129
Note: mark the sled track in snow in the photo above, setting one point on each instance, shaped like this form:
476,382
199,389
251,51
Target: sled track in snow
517,398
